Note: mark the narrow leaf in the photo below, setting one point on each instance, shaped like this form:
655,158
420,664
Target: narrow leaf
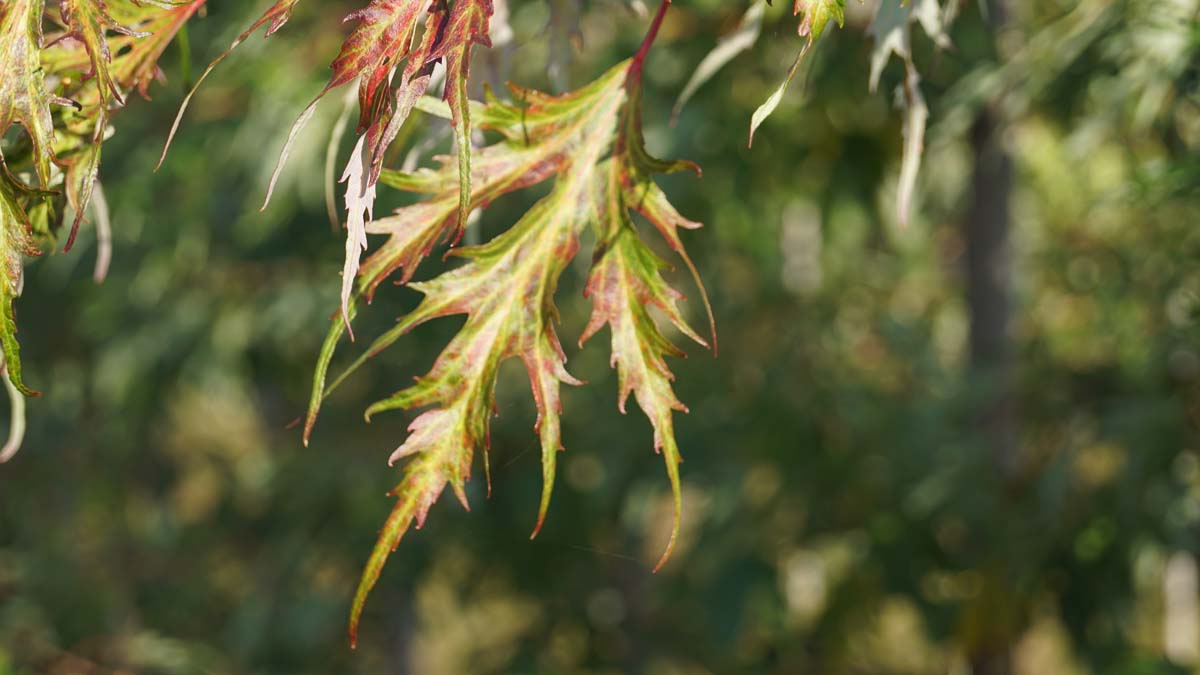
728,47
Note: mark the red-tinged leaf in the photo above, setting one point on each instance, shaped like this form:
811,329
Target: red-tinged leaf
625,283
82,55
137,65
146,31
590,143
89,22
25,101
380,39
366,163
414,80
274,18
643,195
538,140
506,290
816,14
470,22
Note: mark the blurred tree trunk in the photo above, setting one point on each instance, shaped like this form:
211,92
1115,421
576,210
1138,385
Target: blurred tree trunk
989,272
989,298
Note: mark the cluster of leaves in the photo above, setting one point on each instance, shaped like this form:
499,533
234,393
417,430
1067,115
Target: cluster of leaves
892,35
65,68
589,142
409,36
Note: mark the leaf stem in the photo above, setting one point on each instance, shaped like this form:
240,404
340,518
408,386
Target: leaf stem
639,59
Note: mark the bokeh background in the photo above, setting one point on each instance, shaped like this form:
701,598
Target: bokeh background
967,445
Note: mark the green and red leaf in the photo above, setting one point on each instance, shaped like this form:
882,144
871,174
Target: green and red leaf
589,142
89,22
470,22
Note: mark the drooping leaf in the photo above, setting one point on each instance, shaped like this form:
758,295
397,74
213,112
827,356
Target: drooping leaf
506,291
814,15
24,101
625,283
381,38
891,30
366,163
152,27
590,143
384,36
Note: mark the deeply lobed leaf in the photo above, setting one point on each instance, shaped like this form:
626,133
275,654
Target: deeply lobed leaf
590,143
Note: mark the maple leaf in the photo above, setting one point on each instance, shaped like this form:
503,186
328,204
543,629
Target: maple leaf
506,290
447,36
381,38
143,30
589,142
88,21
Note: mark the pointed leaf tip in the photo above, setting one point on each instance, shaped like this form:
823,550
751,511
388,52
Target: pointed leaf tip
671,457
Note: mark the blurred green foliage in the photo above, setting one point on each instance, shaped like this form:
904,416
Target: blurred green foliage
843,512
